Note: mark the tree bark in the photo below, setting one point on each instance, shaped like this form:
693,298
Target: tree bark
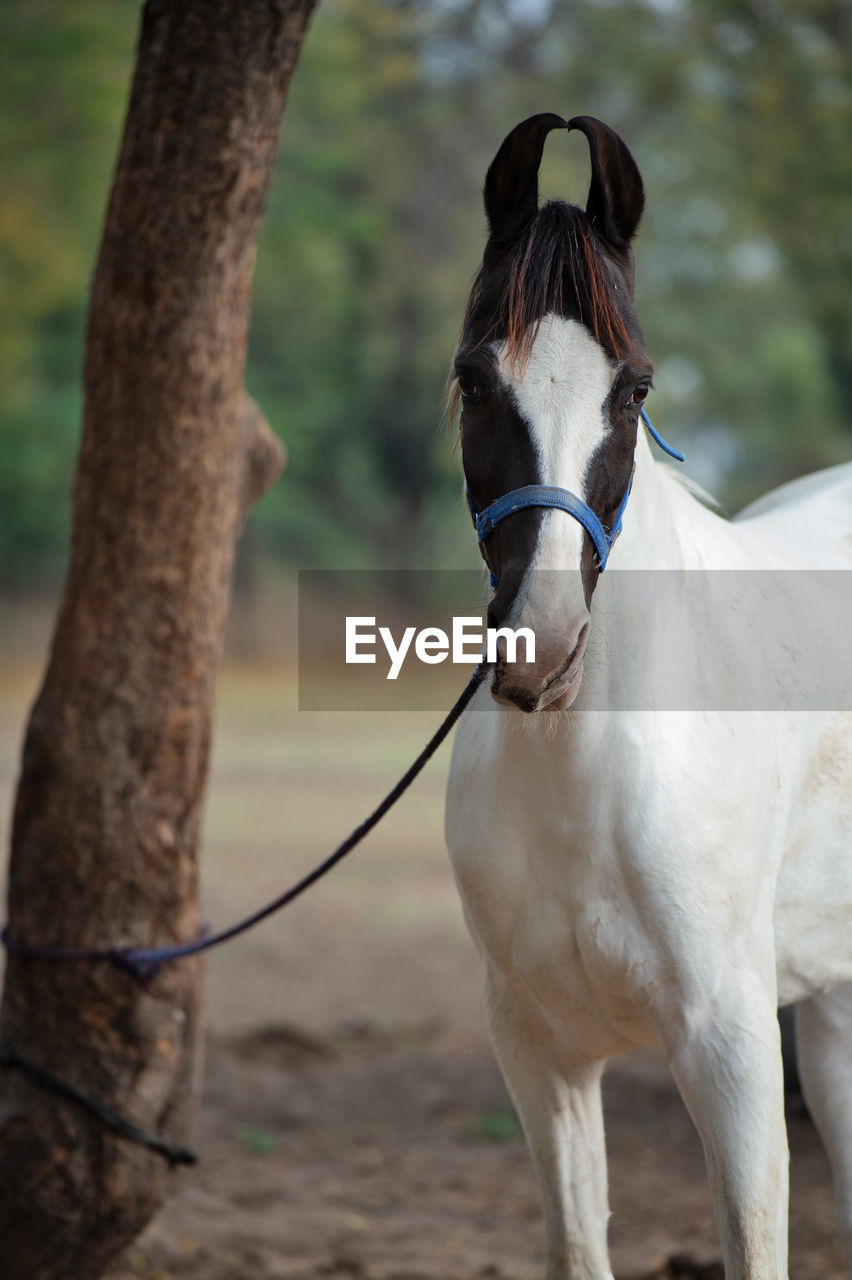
115,759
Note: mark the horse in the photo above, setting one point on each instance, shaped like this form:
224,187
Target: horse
635,874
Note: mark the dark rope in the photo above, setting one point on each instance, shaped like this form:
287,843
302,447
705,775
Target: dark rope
145,962
127,1128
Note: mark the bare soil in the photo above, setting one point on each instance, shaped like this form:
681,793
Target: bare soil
353,1122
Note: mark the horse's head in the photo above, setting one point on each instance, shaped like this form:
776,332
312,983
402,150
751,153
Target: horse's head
552,371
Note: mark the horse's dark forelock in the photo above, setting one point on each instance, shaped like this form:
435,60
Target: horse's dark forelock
555,265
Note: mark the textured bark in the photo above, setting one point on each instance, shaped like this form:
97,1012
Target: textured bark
115,760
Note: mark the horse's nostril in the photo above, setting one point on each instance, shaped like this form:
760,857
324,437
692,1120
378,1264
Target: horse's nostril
523,699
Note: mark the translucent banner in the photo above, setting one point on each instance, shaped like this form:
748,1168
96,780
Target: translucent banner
658,640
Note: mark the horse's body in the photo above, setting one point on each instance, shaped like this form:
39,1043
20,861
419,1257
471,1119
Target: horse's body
636,876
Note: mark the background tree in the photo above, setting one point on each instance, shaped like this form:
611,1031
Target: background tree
739,114
115,760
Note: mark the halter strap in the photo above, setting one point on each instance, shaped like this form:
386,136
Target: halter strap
545,495
541,495
655,435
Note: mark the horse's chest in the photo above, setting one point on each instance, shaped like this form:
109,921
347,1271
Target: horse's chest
587,964
559,919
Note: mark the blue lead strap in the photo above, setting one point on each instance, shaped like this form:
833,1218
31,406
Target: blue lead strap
544,495
655,435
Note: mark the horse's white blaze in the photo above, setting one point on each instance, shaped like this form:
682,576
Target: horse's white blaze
560,392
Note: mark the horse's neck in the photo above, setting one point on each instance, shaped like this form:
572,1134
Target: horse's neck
665,526
650,593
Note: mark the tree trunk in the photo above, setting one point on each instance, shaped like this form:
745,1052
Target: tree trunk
115,759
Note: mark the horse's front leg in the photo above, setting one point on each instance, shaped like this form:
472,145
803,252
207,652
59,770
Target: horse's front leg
558,1099
725,1054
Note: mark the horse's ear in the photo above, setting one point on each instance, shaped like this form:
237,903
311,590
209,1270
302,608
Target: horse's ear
616,194
511,184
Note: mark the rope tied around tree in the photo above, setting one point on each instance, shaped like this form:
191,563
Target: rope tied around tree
144,963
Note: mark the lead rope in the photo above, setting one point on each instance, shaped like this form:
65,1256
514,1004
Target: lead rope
144,963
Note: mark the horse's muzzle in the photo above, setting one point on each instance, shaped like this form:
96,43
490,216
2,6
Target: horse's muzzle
547,684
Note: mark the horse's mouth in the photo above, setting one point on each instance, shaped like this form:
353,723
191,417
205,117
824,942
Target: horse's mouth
557,695
563,691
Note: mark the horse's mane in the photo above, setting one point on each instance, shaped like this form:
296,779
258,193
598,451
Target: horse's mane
697,491
558,251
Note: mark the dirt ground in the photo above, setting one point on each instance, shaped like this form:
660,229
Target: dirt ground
353,1122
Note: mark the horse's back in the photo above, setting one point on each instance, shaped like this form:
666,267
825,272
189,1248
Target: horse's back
810,518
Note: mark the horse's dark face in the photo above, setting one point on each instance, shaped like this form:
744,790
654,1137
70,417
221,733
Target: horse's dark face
552,371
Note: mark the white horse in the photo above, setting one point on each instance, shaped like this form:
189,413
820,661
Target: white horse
634,876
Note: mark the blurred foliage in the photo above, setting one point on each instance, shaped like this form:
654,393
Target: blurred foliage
738,111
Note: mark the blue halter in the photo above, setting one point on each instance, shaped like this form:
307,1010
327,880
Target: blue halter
544,495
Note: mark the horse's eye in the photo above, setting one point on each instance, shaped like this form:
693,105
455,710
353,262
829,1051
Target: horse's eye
640,394
468,388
